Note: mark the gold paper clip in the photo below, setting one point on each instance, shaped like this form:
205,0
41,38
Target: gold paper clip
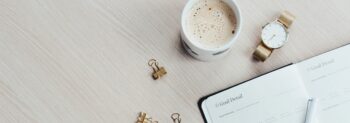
157,71
176,118
143,118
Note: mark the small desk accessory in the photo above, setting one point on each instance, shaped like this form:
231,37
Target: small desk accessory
274,35
157,71
176,118
142,118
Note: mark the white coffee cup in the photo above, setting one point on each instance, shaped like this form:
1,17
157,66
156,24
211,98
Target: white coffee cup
196,49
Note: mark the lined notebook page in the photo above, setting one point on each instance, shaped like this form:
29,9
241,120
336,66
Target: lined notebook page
278,97
327,77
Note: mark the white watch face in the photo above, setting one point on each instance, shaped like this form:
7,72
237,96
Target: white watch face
274,35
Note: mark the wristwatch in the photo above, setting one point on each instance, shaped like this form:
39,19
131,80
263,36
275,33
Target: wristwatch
274,35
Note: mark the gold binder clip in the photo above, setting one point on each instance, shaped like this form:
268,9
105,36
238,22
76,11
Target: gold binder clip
143,118
157,71
176,118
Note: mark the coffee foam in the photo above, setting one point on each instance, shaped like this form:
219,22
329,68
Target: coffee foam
211,23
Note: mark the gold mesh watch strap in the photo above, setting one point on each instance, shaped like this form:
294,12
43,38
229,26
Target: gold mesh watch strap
286,18
262,52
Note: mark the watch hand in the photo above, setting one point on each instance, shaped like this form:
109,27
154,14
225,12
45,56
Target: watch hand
272,37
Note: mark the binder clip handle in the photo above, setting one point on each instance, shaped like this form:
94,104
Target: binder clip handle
176,118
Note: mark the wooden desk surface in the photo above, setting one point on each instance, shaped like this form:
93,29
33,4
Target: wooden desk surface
85,61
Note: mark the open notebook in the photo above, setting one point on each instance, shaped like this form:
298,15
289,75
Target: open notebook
281,96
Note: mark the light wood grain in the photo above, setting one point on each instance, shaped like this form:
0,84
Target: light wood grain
85,61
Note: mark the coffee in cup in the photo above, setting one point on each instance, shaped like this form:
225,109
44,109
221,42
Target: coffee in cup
209,27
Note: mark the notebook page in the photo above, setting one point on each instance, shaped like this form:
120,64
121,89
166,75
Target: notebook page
278,97
327,77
